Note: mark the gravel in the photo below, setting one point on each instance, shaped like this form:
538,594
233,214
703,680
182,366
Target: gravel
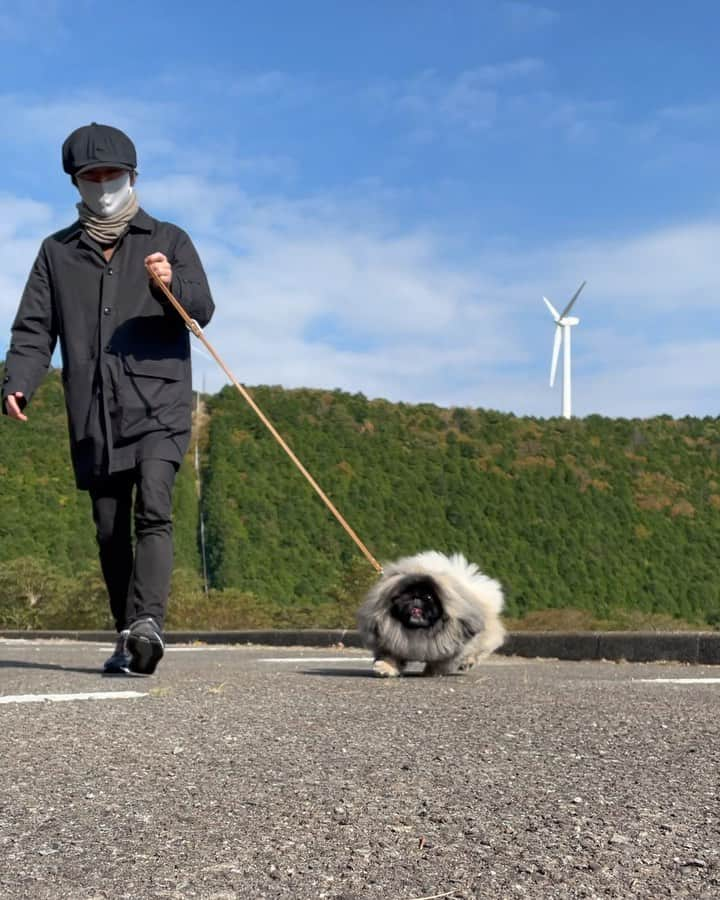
235,777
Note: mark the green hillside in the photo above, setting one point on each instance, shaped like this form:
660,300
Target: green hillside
49,574
602,515
594,514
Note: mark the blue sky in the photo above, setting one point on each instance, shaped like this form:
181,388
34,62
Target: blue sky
383,192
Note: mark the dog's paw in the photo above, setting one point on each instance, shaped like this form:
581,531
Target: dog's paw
385,668
444,667
467,663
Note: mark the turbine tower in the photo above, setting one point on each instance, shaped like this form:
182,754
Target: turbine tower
563,324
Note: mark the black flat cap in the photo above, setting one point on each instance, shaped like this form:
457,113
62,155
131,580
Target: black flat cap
94,146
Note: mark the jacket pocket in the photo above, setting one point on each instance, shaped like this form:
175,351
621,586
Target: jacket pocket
170,369
152,395
80,386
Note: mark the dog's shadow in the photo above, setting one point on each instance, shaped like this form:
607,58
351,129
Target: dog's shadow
339,673
366,673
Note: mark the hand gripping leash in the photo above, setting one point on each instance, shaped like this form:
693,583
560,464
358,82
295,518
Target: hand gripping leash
193,326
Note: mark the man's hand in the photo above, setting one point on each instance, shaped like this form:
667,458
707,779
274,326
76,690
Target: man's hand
159,264
13,407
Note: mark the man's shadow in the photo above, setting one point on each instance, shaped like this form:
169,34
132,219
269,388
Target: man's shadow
21,664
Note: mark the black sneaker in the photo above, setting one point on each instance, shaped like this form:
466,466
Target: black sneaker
119,662
145,646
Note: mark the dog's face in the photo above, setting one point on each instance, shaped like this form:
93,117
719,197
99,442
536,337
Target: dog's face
415,603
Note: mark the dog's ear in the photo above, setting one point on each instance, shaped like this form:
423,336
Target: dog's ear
472,622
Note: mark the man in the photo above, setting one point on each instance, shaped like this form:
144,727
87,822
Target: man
126,374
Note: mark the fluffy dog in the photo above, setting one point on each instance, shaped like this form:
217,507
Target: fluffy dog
431,608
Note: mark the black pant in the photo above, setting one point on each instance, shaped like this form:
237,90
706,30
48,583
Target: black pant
138,583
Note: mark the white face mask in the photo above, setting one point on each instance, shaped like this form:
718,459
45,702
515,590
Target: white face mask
106,198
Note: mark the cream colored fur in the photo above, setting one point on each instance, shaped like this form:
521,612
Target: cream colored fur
469,630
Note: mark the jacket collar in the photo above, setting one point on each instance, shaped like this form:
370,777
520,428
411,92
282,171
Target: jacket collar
142,222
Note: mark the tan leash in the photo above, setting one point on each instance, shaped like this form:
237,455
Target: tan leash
198,332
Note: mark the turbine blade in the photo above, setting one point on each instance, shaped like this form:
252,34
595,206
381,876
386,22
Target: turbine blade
555,314
556,353
574,298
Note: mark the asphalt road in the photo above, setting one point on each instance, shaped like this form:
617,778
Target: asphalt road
235,772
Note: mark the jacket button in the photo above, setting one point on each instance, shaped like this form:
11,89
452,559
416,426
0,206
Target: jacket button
110,271
107,310
107,348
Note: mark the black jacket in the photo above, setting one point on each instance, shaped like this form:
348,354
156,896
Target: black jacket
125,350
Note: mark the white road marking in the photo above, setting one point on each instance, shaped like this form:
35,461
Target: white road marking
60,698
328,659
214,648
41,643
183,649
681,680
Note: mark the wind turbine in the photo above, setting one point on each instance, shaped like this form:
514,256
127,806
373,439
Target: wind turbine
563,324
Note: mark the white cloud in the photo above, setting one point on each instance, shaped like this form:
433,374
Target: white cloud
463,103
502,73
310,295
306,299
677,377
664,271
23,224
528,16
36,21
44,123
316,294
512,100
436,106
33,120
691,114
